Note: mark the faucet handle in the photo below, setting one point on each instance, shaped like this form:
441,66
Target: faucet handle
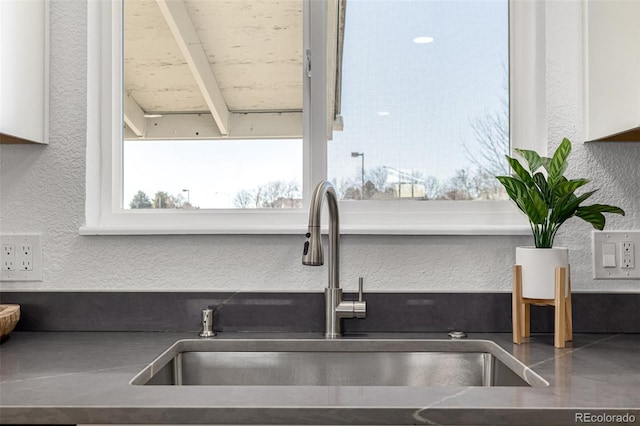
360,307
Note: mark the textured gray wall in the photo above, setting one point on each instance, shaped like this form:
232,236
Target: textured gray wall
42,190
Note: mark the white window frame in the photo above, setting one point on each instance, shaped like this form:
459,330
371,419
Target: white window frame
104,211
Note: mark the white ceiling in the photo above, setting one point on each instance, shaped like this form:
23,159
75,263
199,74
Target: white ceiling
218,57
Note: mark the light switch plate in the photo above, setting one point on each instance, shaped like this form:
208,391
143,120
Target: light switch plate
24,254
618,263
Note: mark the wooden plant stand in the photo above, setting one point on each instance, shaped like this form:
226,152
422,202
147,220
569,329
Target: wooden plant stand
563,328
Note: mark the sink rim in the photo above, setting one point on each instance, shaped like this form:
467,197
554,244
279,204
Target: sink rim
345,344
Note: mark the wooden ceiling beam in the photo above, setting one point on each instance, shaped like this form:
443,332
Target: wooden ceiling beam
134,116
177,16
195,126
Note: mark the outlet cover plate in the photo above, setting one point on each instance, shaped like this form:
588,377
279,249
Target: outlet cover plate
617,238
34,241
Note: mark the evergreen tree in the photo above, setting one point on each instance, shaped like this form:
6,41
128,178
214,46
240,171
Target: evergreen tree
140,201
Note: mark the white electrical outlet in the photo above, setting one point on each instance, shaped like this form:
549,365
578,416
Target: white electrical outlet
21,257
24,257
614,254
628,255
8,257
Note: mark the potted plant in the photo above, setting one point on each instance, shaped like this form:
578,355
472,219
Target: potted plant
548,199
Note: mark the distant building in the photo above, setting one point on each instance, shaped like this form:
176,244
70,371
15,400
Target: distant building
409,190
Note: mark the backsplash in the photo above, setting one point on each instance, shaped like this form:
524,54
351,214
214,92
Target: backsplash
304,312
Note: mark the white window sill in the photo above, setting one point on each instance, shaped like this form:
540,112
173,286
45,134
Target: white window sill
356,218
301,229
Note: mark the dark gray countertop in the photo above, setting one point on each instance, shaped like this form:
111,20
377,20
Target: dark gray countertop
83,377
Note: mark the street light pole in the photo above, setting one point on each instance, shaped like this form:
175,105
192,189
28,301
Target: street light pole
188,195
356,155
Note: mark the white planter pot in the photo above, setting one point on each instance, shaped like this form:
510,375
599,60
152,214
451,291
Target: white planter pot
539,270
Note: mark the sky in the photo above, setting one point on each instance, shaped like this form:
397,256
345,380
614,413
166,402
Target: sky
405,105
409,105
212,171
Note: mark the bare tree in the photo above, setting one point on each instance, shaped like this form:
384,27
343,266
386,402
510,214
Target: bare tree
257,195
491,131
243,199
291,191
162,200
432,188
273,191
274,194
370,190
346,189
339,186
492,134
487,188
378,177
472,185
459,187
179,202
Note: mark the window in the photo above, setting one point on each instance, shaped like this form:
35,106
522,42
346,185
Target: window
425,104
323,152
213,104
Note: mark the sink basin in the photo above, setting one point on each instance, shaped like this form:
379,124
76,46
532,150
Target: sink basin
344,362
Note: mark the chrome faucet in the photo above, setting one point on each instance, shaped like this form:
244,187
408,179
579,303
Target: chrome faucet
335,307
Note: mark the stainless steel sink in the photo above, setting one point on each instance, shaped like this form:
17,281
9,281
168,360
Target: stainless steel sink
345,362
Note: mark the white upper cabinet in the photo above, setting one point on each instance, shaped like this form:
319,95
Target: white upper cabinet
612,73
24,76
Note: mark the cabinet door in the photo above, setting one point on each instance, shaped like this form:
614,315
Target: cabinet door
612,60
23,71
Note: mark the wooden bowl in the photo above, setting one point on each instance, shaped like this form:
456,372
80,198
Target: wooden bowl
9,316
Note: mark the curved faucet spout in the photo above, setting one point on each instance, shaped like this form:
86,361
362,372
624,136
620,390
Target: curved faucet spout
312,253
335,308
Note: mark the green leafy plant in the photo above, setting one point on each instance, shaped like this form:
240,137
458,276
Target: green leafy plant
547,197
